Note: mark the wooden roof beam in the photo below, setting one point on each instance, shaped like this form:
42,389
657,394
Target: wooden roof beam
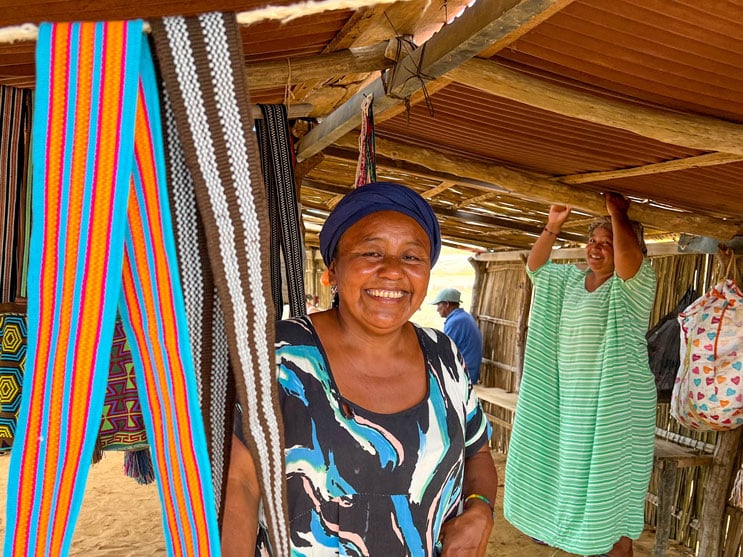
347,149
482,24
412,18
454,238
544,190
266,75
708,159
509,224
686,130
360,22
456,214
433,192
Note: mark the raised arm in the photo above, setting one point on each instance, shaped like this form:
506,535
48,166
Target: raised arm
627,251
542,248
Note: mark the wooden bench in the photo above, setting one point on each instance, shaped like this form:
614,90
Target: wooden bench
668,458
499,397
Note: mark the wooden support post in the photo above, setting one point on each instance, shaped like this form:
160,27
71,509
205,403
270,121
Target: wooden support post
716,494
735,533
523,324
666,503
668,458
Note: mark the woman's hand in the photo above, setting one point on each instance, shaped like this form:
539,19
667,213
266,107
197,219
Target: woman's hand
557,216
626,245
467,534
616,204
542,248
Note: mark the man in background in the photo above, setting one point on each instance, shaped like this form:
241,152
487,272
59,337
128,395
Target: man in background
462,328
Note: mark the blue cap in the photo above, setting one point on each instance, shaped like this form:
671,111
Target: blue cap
448,295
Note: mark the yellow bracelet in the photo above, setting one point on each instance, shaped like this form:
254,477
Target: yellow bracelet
481,498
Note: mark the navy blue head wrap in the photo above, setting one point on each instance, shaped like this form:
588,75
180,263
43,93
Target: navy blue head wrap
374,197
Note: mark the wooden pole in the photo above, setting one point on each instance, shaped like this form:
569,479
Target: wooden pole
716,494
666,503
523,324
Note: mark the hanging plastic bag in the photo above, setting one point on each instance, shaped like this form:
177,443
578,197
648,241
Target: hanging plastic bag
708,393
663,347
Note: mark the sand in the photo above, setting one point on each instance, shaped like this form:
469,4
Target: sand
121,518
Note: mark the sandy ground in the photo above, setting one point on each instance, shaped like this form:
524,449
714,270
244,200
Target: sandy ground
121,518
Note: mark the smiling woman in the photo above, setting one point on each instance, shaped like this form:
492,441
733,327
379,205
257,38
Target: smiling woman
369,469
581,450
381,271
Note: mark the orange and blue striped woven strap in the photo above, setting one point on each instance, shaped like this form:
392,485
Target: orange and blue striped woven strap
101,239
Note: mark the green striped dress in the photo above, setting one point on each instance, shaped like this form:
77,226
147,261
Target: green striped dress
581,450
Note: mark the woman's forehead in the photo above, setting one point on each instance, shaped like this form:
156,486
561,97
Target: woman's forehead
602,231
382,221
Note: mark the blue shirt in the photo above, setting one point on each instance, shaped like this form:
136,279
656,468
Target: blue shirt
462,328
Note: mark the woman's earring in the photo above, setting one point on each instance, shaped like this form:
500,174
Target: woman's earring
334,299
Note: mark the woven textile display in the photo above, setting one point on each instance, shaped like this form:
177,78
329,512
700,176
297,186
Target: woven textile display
202,65
15,129
13,339
122,423
102,242
277,162
366,167
203,310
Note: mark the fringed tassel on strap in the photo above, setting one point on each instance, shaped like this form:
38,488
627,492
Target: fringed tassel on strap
138,466
97,451
366,167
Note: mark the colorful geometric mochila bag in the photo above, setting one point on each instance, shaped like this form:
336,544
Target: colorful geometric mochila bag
708,393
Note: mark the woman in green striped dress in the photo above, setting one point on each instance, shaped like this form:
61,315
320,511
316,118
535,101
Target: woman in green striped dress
581,451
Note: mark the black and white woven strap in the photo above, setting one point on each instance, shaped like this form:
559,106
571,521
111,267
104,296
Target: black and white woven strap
203,312
274,221
203,69
278,173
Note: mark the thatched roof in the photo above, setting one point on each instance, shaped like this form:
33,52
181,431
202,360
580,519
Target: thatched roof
505,109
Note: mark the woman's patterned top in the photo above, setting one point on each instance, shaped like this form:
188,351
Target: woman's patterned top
362,483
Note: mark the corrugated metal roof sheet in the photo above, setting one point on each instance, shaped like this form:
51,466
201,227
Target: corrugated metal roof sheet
678,57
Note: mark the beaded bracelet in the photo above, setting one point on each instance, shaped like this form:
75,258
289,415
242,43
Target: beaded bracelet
481,498
548,231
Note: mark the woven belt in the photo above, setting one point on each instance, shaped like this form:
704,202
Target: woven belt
102,237
278,173
203,68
